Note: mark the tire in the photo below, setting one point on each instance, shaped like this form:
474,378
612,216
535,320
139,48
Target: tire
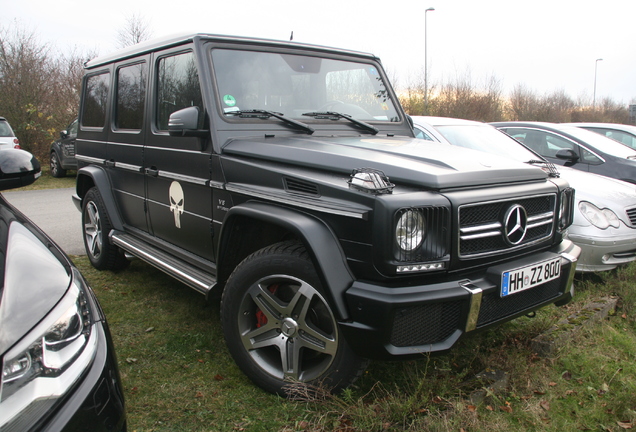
56,167
280,329
95,229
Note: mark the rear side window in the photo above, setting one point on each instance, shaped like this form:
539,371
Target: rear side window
131,96
177,86
5,129
95,100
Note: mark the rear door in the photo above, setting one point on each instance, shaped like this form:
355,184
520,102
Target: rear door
124,149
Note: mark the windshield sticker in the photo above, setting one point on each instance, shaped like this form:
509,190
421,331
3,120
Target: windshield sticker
229,100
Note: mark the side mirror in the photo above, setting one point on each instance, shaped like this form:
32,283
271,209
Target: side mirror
18,168
567,154
185,122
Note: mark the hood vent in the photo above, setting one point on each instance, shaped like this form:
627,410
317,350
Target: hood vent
301,187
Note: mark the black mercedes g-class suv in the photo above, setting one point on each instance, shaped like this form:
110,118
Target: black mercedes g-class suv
287,177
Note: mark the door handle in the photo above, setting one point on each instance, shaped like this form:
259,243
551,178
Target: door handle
152,171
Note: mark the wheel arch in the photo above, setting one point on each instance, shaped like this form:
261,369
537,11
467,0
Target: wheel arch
93,176
284,223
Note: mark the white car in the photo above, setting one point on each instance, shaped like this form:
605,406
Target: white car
605,213
624,134
7,137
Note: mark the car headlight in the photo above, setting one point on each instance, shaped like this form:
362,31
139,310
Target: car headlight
600,218
410,230
41,368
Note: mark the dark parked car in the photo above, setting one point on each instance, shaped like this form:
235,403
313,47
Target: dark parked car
575,147
286,178
62,155
624,134
59,371
8,140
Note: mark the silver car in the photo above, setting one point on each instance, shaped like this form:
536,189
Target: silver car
7,136
624,134
605,213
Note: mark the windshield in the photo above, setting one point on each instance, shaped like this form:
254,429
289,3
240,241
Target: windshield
487,139
294,85
606,145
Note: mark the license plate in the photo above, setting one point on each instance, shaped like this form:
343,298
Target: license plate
524,278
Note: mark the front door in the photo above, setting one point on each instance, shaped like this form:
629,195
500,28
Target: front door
177,169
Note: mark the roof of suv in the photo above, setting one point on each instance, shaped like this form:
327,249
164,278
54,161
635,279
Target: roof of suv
178,39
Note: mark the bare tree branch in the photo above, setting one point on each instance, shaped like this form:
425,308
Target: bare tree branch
136,30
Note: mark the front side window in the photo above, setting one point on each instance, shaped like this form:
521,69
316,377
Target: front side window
556,143
294,85
131,96
621,137
72,129
177,87
419,133
95,100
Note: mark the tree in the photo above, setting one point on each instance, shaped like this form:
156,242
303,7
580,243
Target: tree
136,30
39,88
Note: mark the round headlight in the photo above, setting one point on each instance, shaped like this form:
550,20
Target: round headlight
410,230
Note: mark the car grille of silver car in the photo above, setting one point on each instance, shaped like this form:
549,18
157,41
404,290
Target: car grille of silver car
631,214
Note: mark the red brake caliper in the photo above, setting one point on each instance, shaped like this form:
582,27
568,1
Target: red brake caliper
261,318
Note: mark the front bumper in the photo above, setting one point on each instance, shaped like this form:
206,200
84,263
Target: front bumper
402,322
604,253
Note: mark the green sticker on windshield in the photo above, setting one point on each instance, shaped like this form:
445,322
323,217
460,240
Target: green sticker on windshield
229,100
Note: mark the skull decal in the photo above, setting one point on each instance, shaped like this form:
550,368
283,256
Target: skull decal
176,202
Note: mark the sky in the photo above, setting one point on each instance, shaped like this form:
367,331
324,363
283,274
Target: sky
546,46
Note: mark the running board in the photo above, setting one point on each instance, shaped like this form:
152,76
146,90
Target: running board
189,275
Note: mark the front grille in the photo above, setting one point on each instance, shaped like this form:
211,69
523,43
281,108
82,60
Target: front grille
631,214
482,225
494,307
425,324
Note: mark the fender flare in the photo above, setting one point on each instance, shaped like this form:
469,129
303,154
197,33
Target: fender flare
90,176
321,243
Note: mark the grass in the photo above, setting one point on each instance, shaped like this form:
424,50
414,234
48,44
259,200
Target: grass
178,375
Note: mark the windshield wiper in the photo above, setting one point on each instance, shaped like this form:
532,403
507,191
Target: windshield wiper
265,114
332,115
547,166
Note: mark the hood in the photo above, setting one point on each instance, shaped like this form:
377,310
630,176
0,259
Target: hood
34,281
603,192
404,160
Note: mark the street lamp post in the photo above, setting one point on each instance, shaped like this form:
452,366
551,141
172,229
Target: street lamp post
595,68
426,63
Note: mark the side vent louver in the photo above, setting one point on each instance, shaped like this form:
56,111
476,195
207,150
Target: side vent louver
301,187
